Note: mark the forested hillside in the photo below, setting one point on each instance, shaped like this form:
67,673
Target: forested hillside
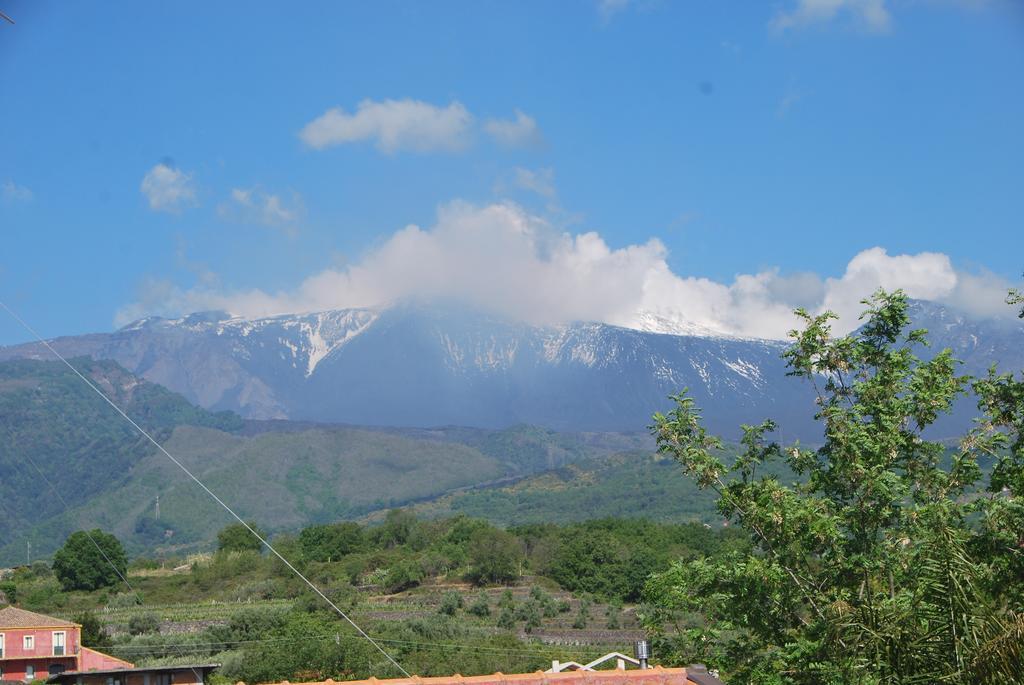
58,438
58,432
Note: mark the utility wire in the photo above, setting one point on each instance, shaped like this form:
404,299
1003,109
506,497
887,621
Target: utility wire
120,575
198,646
209,492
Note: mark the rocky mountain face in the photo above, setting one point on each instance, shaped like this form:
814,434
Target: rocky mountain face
414,365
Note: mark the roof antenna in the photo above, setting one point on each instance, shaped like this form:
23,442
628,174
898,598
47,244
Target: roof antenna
6,17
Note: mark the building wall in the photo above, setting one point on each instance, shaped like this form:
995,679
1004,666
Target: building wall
14,643
183,677
91,660
17,669
16,659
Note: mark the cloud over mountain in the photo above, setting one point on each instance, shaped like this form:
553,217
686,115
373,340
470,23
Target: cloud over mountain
503,258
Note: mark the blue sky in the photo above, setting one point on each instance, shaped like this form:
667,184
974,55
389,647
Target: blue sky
773,142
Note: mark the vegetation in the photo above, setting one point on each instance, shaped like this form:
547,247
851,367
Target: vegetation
93,635
89,561
419,585
57,432
58,436
891,559
238,538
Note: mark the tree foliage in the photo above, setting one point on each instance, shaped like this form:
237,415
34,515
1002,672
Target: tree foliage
494,555
89,561
891,557
238,538
94,635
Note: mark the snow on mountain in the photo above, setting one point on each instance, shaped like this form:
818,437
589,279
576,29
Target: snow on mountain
419,365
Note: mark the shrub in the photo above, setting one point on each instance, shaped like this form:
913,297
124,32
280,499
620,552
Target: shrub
143,624
450,603
506,619
480,607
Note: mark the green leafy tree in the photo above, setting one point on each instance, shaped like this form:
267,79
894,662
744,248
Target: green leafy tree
94,635
89,561
238,538
888,558
494,556
332,541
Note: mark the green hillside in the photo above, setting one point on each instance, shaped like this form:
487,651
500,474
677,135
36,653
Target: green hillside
636,484
57,434
284,476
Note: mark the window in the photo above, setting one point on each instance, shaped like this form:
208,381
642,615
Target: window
58,643
162,679
30,672
28,642
56,669
1,647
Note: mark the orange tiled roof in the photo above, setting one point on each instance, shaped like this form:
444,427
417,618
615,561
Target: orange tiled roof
13,617
651,676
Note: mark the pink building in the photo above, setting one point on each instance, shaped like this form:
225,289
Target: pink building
33,646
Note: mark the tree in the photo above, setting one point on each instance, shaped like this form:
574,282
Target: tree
89,561
1015,297
331,542
888,559
94,635
238,538
494,556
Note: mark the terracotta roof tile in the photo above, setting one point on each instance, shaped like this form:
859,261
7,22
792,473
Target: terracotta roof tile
13,617
652,676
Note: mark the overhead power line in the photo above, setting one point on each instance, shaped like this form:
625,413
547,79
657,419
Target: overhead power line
202,485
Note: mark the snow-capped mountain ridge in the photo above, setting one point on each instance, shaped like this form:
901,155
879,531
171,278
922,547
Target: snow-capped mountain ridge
418,365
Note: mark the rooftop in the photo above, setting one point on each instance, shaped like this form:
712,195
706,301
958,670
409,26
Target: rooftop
13,617
651,676
67,675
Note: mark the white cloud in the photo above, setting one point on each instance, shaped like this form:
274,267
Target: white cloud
872,15
256,206
393,125
168,189
503,258
12,192
540,181
521,131
609,8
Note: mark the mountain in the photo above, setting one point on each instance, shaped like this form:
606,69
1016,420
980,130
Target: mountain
60,444
416,365
427,366
68,461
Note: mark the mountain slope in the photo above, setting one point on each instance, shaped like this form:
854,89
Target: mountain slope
57,434
414,365
282,475
419,366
